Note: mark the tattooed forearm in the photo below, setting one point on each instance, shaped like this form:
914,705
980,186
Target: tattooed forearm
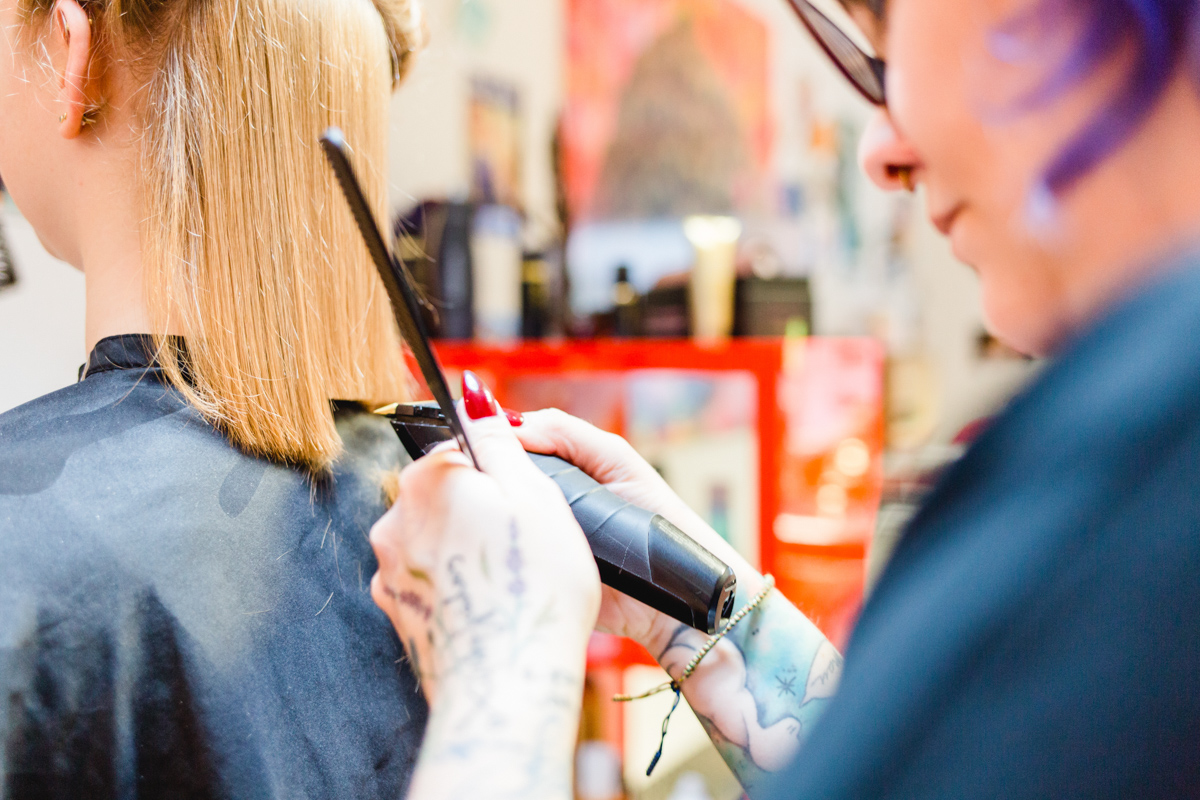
518,745
760,690
510,683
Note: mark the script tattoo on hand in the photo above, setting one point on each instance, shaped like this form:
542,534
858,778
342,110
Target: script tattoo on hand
515,563
761,689
505,718
413,601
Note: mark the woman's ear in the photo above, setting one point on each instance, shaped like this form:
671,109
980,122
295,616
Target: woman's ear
73,30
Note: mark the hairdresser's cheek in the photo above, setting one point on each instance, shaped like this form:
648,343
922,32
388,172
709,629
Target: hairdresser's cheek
1021,303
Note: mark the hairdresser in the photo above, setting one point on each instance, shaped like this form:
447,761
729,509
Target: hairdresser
184,609
1034,634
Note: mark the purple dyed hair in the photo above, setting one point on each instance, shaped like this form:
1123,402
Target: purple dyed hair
1160,37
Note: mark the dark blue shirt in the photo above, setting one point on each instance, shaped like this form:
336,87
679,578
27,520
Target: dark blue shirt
180,620
1037,633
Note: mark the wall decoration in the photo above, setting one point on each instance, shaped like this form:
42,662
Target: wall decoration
494,136
8,271
668,110
474,21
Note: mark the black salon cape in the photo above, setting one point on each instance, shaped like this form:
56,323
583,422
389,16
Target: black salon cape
179,620
1037,633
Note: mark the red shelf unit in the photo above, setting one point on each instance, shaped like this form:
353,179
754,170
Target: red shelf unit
819,420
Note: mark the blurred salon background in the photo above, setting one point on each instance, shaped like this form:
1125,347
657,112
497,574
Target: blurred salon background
649,213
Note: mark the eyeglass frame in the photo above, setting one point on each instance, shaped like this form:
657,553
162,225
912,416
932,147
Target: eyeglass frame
878,65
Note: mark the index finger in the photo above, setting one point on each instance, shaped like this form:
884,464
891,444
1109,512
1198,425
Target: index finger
604,456
501,455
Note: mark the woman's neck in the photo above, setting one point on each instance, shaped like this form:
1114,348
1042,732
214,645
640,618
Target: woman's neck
110,254
112,268
115,305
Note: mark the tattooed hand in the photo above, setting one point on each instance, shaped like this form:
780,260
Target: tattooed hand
758,692
493,589
614,463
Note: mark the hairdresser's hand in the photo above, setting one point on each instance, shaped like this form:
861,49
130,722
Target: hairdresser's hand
494,592
737,677
613,462
478,564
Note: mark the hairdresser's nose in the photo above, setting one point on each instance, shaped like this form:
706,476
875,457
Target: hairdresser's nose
887,158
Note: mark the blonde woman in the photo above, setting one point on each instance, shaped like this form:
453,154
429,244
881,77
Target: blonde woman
184,565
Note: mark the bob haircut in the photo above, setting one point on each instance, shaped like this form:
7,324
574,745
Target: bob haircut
249,250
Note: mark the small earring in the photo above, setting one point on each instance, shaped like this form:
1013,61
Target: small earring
90,116
62,117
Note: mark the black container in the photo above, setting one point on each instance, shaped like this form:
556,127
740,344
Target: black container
765,306
440,262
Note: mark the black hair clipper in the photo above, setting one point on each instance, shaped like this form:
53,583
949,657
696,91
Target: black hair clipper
638,553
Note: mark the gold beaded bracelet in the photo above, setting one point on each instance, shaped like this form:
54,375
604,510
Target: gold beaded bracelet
677,685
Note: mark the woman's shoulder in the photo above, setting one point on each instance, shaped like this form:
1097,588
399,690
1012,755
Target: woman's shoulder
120,469
101,424
123,447
132,485
369,441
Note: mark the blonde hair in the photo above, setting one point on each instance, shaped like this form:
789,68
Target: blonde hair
249,250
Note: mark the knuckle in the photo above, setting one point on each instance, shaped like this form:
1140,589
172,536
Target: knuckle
379,592
422,559
613,441
411,476
381,539
414,470
446,457
543,488
554,419
472,499
484,493
491,430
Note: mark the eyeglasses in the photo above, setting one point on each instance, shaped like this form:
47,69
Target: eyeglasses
865,72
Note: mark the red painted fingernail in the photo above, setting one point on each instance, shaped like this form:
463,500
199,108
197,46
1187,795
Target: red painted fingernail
515,418
478,399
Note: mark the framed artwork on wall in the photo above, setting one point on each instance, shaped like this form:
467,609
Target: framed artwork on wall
8,270
668,109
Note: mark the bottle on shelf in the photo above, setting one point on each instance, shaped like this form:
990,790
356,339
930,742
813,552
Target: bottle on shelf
535,296
626,305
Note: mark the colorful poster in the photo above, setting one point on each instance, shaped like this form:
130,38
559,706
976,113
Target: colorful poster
8,271
667,110
495,140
